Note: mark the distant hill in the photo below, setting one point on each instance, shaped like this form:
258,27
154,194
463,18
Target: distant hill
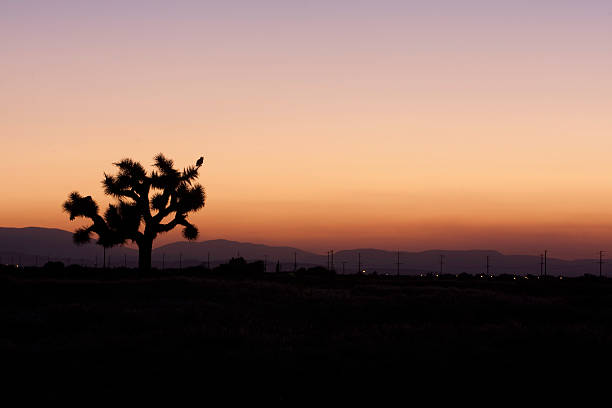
31,245
221,250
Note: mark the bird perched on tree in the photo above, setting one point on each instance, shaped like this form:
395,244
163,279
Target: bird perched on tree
200,161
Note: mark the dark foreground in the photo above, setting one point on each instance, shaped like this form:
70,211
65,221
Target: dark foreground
280,337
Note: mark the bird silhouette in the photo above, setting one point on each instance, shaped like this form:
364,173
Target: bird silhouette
200,161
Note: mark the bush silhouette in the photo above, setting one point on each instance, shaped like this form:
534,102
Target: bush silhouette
315,271
143,203
54,265
241,266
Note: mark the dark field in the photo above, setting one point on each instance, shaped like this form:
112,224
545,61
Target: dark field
283,337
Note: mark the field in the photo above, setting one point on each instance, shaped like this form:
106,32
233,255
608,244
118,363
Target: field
112,332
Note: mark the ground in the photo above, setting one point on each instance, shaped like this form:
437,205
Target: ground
292,330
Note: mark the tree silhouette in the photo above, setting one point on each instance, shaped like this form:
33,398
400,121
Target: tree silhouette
143,204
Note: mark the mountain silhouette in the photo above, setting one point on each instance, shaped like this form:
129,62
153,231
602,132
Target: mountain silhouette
32,245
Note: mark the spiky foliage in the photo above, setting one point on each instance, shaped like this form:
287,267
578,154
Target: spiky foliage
143,204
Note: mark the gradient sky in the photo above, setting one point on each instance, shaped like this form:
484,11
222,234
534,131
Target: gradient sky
325,124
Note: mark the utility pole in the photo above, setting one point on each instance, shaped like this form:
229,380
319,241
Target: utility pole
441,263
488,267
541,264
343,263
545,259
358,263
601,262
328,260
332,260
398,263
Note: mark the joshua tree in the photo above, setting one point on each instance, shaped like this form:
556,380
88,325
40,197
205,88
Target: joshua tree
143,204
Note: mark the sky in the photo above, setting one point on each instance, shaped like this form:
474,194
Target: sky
406,125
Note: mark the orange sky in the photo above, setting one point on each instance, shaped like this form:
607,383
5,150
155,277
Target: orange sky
375,125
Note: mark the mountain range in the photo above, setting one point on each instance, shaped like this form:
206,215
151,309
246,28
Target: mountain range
36,246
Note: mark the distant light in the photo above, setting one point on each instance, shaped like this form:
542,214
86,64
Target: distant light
514,278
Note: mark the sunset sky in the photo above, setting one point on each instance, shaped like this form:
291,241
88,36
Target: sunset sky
324,124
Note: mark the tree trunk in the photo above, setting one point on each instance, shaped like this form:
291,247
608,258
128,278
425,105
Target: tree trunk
145,248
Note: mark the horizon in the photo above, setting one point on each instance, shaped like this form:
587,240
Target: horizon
385,124
323,253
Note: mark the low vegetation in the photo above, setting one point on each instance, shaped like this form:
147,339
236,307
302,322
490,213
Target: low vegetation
238,321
